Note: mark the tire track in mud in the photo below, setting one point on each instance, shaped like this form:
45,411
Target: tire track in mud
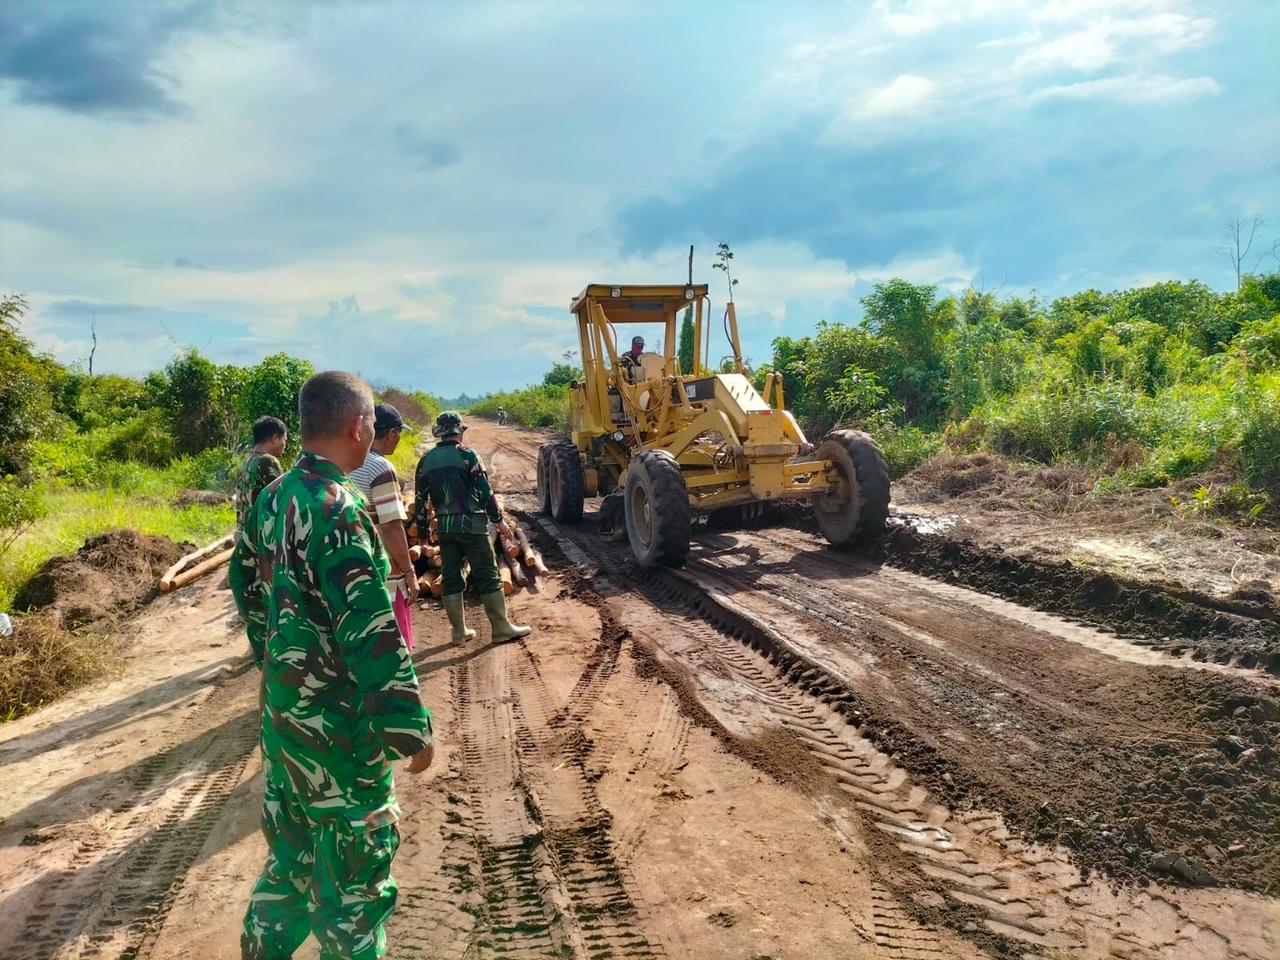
113,898
961,870
548,882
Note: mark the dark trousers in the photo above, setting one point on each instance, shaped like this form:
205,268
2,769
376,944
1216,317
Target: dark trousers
475,547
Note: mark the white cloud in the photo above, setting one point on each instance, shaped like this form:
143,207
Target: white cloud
947,269
1134,88
908,93
1086,50
1108,39
913,17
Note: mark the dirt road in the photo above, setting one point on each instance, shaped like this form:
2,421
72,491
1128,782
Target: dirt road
779,751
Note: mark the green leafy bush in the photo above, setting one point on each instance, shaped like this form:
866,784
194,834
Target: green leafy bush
271,389
214,469
20,506
144,438
533,406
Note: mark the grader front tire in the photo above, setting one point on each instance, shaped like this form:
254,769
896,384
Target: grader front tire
567,487
544,479
855,514
659,518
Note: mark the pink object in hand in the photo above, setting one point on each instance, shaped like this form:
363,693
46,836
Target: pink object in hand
404,616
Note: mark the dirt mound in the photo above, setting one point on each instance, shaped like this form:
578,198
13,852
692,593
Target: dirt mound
108,577
991,482
201,498
1237,630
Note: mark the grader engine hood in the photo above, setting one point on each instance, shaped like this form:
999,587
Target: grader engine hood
765,433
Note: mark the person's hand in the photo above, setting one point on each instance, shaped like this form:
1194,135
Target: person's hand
505,530
415,552
411,585
422,759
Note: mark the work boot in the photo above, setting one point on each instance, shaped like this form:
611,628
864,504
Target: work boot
495,605
457,619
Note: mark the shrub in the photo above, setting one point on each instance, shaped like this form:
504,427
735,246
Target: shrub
24,400
20,506
1260,439
271,389
534,406
198,399
213,469
905,448
418,408
142,439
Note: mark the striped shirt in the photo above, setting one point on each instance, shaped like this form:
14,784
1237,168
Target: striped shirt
376,479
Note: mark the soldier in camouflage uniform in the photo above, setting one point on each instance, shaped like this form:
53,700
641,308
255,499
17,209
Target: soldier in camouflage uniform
261,466
339,693
453,478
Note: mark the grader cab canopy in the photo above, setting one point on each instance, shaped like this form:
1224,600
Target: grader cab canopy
663,444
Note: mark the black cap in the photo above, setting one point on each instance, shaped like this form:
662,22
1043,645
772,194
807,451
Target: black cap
386,418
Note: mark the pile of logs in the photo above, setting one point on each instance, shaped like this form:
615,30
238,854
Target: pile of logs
195,565
518,562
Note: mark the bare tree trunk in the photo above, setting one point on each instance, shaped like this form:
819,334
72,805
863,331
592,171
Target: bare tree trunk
1240,235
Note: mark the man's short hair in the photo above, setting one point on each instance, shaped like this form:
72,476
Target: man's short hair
637,339
330,400
267,428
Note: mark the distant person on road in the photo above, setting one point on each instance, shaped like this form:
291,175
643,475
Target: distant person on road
502,417
339,694
452,477
376,479
630,360
261,466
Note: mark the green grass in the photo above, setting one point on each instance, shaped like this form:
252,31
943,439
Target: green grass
73,515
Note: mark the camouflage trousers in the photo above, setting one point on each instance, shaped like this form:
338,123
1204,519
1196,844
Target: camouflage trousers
328,877
475,547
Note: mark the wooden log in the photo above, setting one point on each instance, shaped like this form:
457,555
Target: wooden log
538,566
200,569
222,543
517,574
508,587
508,545
526,548
431,583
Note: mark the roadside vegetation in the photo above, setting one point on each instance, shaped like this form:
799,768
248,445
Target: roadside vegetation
83,453
544,404
1141,387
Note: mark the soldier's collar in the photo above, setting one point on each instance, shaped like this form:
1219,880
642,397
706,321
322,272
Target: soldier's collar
314,463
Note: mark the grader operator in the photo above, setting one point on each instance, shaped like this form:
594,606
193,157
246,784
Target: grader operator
663,445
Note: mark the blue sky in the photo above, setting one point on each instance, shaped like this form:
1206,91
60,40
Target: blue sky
415,191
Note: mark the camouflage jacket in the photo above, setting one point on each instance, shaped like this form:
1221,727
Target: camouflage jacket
258,470
339,693
453,477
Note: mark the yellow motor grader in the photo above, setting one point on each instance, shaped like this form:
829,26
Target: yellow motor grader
663,445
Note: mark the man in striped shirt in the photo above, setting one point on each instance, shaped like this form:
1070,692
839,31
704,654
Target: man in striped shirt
376,478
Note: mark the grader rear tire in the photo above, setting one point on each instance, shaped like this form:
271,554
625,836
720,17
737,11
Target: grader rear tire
856,514
567,487
659,518
544,479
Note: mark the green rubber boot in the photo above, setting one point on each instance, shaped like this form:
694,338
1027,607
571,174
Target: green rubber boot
457,619
495,605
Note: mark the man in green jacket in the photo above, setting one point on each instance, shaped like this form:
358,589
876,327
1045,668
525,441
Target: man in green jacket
453,478
339,696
